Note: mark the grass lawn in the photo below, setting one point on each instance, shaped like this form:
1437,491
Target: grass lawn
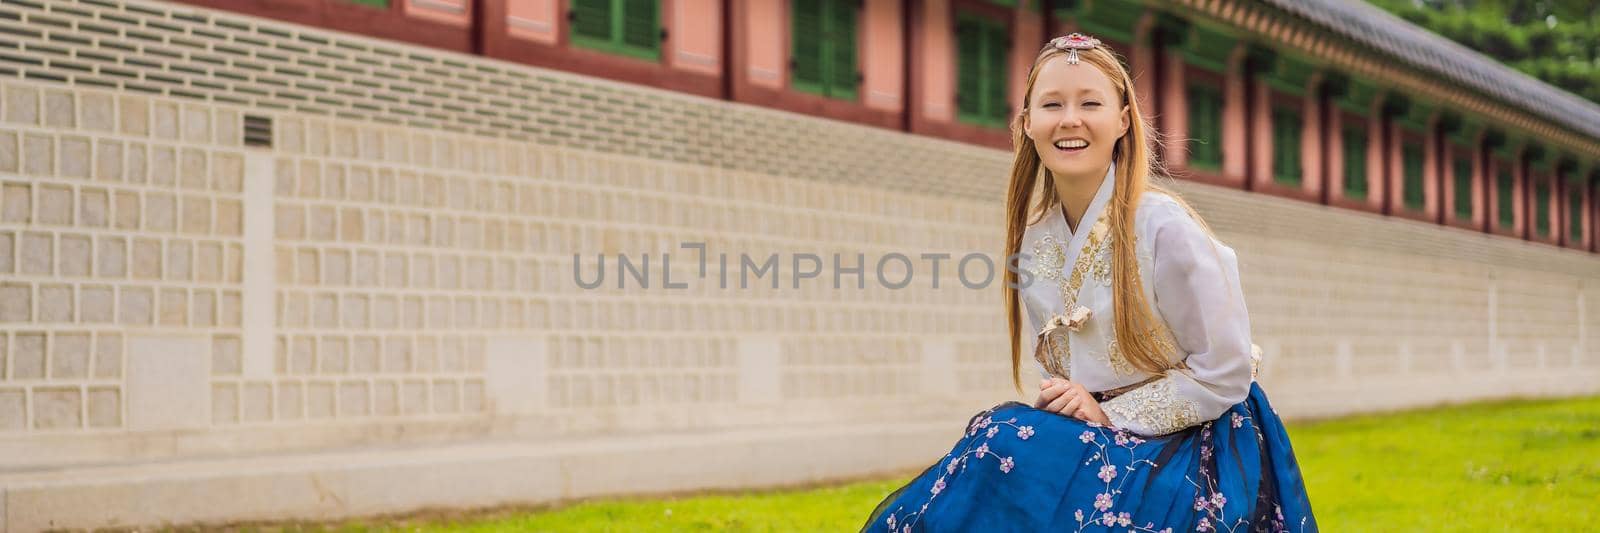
1513,466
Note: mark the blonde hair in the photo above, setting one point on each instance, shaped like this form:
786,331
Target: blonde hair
1134,154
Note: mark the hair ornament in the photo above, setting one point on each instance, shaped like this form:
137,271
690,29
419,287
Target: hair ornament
1072,43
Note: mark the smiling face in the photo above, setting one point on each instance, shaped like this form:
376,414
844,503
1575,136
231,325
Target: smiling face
1074,118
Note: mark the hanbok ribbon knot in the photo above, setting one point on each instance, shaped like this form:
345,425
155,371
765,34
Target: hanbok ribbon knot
1072,320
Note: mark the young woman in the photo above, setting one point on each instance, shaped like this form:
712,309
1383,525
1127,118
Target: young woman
1148,417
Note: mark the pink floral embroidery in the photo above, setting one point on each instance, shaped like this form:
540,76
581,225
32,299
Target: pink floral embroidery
1102,512
1105,516
1211,499
979,424
958,461
1107,473
1102,502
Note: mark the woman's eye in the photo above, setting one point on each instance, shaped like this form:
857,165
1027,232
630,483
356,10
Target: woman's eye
1091,103
1048,105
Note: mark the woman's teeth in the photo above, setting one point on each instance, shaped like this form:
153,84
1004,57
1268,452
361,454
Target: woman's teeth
1072,144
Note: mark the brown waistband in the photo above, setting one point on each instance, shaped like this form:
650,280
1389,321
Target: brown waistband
1106,395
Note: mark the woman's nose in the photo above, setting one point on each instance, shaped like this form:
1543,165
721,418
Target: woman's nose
1070,119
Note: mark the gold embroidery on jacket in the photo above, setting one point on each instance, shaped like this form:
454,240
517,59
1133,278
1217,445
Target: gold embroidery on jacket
1116,359
1101,269
1052,351
1048,259
1156,406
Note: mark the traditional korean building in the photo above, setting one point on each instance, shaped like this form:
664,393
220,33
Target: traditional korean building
1328,102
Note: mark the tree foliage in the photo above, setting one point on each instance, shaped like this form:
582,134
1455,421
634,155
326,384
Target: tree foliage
1557,41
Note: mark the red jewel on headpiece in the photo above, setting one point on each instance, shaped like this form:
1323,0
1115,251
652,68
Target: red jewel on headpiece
1072,43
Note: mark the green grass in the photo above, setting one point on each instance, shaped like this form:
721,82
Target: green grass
1513,466
1518,466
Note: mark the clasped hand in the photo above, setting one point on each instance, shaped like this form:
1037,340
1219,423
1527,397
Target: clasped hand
1065,397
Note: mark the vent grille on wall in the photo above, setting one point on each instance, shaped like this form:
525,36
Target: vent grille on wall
257,131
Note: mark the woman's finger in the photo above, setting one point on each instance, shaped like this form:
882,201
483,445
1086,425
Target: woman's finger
1050,394
1072,406
1060,403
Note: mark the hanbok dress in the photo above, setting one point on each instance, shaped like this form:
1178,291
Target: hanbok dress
1196,448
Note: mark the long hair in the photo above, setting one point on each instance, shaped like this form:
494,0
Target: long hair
1135,326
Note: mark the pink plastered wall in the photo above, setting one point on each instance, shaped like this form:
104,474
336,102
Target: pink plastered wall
1311,146
1377,173
1174,114
1027,36
1259,131
938,62
1235,123
767,42
696,38
452,12
534,20
883,55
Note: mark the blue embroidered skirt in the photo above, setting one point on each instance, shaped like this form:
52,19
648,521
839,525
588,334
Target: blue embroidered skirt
1018,468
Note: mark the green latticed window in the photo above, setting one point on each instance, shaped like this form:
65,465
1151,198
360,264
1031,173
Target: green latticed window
1541,209
1575,214
1411,163
824,48
981,71
1205,127
1463,188
623,27
1502,186
1286,146
1355,162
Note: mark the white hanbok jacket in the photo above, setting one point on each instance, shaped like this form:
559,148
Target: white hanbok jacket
1190,279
